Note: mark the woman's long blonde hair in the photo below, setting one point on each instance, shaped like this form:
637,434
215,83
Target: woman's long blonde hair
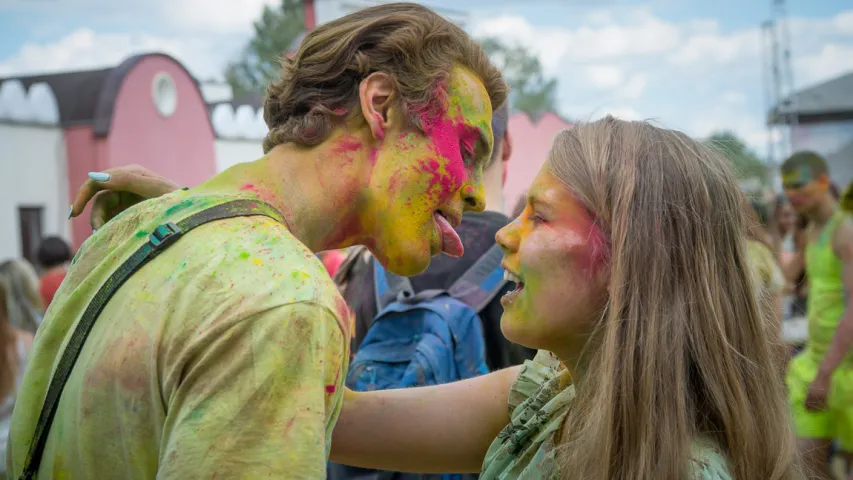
681,351
23,299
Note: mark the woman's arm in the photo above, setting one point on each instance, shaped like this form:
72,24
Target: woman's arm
438,429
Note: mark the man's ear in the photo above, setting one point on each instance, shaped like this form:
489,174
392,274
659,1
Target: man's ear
376,95
506,153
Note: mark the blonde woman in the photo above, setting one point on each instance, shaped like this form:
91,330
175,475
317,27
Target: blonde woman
23,298
633,281
14,346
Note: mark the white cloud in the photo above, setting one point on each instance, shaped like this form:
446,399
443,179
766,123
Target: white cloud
831,60
604,76
732,97
86,49
221,16
691,75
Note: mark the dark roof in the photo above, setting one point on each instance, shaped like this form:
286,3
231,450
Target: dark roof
76,92
88,97
827,101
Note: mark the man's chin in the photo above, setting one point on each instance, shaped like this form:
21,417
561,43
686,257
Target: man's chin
407,263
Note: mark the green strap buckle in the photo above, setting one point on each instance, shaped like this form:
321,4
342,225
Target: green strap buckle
164,235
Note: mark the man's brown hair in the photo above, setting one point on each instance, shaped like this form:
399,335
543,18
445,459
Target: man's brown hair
812,161
413,44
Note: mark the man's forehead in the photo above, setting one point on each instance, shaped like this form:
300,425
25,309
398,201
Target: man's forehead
800,174
468,99
465,84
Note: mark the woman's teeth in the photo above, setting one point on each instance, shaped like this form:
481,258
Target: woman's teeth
510,277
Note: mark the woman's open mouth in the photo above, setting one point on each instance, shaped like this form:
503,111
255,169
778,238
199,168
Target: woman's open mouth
510,296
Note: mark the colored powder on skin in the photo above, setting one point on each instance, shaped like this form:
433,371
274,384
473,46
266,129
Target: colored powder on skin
347,144
599,249
380,133
248,186
330,389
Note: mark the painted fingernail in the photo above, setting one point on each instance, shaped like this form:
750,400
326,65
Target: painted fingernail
70,211
94,231
99,176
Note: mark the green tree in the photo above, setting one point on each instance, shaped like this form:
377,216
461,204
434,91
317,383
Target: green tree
746,163
531,91
260,61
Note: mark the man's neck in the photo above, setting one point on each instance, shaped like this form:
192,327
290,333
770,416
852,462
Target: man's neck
317,190
823,211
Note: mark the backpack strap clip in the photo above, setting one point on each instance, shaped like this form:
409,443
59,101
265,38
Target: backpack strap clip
164,235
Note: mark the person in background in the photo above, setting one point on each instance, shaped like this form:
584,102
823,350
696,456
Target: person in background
767,275
23,300
54,255
820,378
14,346
784,224
332,260
477,232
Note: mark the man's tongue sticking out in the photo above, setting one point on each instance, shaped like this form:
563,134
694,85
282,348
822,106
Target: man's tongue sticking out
451,244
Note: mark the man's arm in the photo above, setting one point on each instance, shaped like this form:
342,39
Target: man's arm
254,402
437,429
843,339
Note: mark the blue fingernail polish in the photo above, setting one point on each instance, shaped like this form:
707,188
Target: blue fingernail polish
99,176
70,210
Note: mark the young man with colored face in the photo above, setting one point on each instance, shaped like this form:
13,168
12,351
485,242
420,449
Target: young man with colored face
477,232
225,356
820,379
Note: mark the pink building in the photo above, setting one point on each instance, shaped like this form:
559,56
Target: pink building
56,128
531,141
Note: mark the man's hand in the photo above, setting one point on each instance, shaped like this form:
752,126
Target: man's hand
818,393
117,189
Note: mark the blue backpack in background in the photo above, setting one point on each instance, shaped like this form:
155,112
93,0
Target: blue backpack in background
425,338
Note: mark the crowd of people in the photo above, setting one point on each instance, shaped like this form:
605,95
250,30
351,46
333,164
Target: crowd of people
624,323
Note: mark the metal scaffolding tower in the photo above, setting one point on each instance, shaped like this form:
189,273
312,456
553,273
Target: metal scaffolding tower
778,82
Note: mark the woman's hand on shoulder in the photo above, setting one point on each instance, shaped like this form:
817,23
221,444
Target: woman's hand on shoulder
117,189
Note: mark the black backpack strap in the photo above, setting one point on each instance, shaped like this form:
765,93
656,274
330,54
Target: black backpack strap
480,283
161,238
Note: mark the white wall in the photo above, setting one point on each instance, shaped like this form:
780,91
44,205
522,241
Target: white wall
232,152
32,173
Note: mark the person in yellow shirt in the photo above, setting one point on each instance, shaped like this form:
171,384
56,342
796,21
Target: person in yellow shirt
224,357
820,378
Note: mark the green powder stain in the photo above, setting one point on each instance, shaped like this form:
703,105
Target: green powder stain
244,255
179,206
141,233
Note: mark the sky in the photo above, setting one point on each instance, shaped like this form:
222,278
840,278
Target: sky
691,65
